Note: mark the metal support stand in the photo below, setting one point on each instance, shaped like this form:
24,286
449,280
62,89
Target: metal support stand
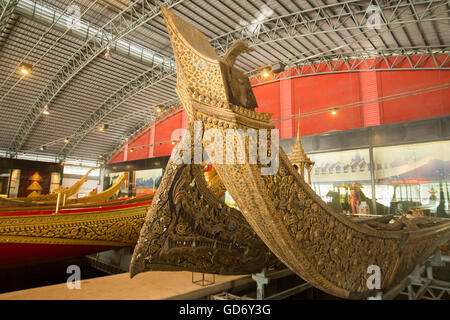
260,279
418,286
203,282
426,287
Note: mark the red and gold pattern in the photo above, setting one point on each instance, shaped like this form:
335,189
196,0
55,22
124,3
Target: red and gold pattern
83,230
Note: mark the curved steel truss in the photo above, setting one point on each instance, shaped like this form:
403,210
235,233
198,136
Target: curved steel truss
426,58
7,8
135,15
316,35
147,79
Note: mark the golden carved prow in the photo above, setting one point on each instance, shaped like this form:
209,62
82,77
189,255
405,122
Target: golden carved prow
325,248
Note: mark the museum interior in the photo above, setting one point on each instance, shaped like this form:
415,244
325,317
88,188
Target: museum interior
224,150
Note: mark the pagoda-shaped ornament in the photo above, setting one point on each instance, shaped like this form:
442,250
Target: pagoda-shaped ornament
35,187
299,158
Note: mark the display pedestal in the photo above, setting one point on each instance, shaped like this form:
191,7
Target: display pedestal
203,279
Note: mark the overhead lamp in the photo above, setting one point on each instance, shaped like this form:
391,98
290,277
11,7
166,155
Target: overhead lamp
25,68
173,142
131,150
42,148
334,111
266,72
46,112
104,127
158,109
66,140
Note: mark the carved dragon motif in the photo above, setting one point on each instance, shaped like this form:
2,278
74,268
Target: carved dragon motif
189,228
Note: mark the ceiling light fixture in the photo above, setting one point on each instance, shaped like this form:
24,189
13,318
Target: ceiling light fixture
66,140
334,111
266,72
104,127
25,68
46,112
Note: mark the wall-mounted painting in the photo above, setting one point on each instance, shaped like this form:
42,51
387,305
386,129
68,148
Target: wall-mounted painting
147,181
413,163
351,166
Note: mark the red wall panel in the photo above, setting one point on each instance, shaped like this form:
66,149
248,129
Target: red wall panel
326,91
320,92
268,98
163,134
138,148
425,105
117,158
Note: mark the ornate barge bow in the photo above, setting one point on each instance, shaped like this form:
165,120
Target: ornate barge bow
323,247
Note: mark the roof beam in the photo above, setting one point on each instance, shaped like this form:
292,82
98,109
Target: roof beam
135,15
134,132
149,78
289,26
7,8
298,24
352,62
48,21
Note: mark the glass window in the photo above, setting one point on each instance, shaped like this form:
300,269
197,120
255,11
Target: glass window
342,178
413,178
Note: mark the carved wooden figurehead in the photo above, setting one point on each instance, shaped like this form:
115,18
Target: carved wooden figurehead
325,248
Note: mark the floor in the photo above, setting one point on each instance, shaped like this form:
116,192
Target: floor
152,285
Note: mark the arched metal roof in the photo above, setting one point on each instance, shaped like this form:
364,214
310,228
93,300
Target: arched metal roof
98,62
